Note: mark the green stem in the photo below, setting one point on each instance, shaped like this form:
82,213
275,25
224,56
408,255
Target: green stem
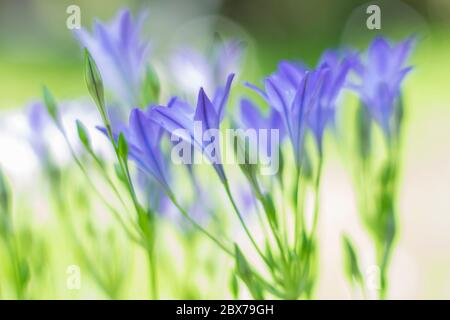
14,256
312,233
241,220
116,214
317,198
199,227
151,256
299,218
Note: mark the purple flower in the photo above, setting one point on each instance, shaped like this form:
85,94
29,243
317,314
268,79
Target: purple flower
306,98
119,54
143,136
179,119
286,92
252,118
381,77
322,114
282,91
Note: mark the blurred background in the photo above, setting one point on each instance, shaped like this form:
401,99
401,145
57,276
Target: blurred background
36,48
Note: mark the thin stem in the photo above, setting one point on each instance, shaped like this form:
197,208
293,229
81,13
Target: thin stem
151,256
299,219
108,179
14,256
199,227
317,191
241,219
92,185
311,236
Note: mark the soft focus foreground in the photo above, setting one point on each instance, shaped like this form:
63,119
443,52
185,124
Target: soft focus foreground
93,205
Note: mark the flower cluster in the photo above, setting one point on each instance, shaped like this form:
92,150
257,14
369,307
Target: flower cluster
302,105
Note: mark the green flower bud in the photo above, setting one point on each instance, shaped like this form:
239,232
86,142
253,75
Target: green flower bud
151,87
94,84
51,105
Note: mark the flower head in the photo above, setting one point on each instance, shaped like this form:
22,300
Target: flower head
119,53
143,138
381,77
305,98
252,118
290,94
334,71
179,119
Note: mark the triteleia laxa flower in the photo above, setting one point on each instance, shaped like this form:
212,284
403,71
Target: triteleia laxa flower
143,137
381,77
252,118
323,112
306,98
120,54
289,93
179,119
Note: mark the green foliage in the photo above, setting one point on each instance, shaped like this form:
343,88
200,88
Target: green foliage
246,274
83,135
51,105
364,131
122,146
351,264
151,87
5,194
234,286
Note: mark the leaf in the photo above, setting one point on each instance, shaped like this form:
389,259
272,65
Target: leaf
146,223
119,173
24,272
246,274
307,165
269,209
351,264
399,115
5,205
122,146
234,286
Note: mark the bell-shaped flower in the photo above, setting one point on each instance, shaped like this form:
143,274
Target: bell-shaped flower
120,54
334,70
180,120
290,94
381,77
143,138
251,117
